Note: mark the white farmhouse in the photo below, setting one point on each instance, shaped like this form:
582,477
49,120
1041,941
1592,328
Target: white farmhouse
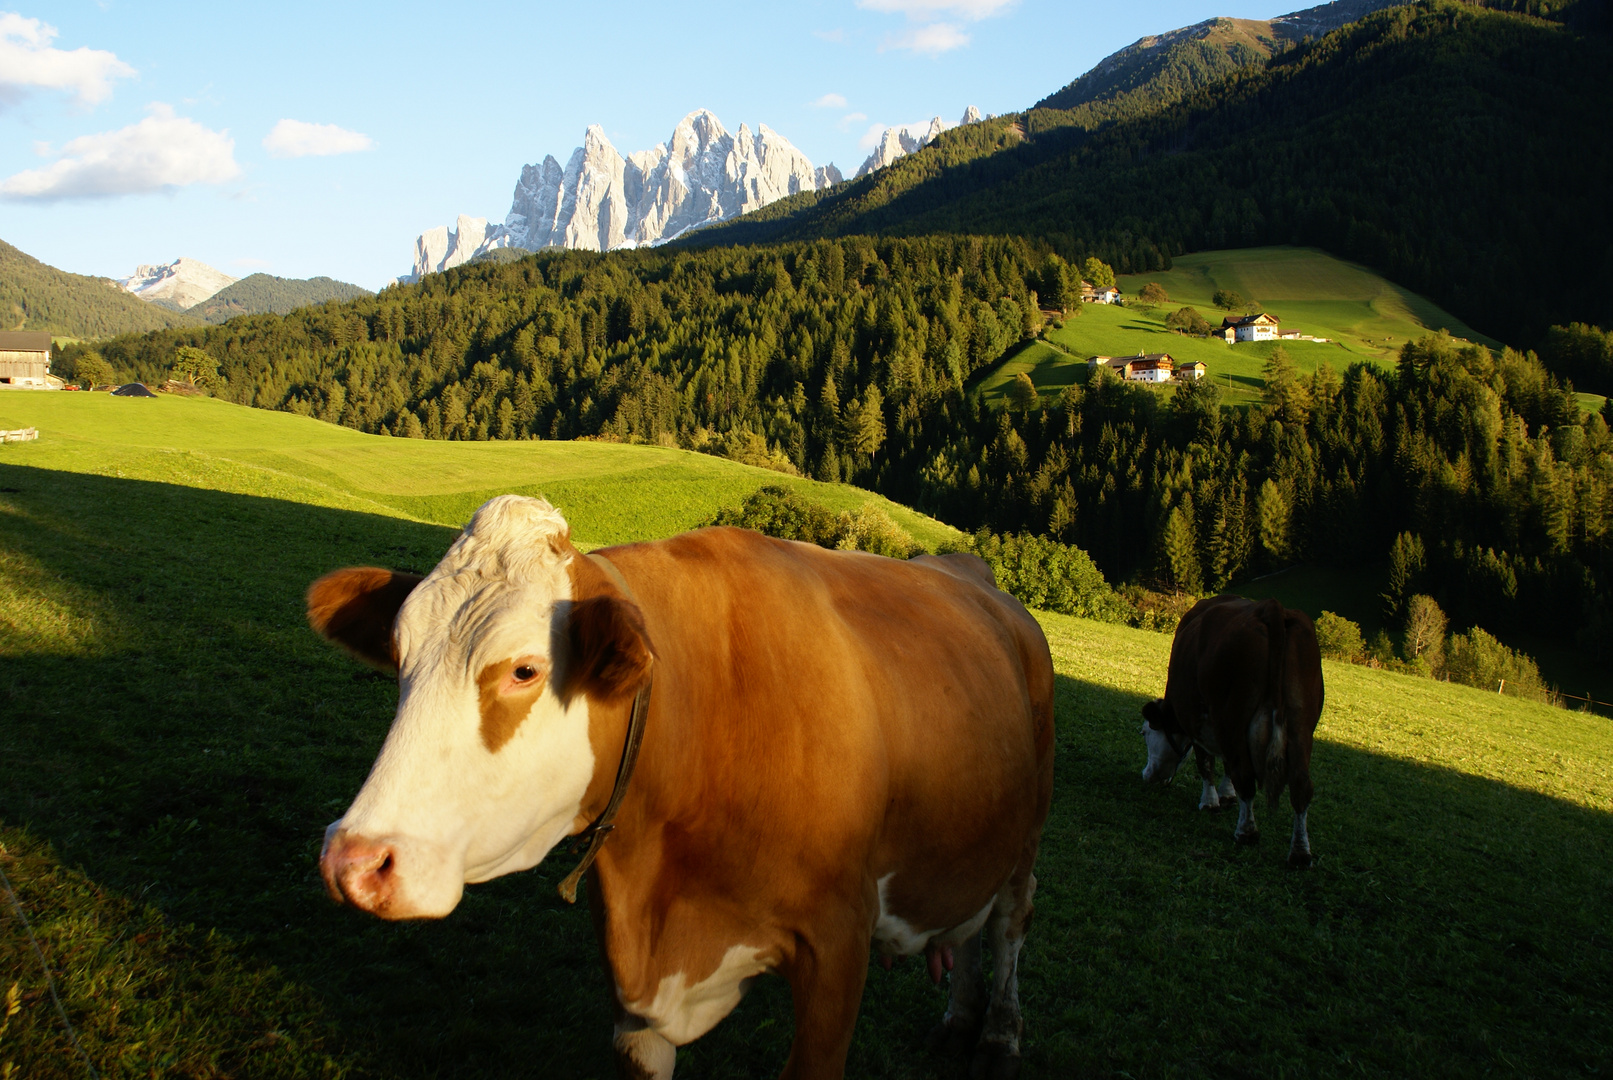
1258,327
1146,367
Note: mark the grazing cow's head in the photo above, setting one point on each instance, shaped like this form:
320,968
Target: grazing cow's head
1167,744
499,651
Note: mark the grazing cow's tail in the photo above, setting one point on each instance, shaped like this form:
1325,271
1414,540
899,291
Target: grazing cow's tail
1274,766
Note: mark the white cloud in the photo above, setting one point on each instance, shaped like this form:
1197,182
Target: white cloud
851,118
830,101
932,38
163,151
296,138
935,28
28,62
930,10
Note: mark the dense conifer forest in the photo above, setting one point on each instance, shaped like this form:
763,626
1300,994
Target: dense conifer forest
848,359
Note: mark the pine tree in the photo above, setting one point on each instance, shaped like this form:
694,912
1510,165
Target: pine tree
1181,552
1272,510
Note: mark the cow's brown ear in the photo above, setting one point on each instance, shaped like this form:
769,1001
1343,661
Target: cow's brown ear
356,608
610,650
1159,715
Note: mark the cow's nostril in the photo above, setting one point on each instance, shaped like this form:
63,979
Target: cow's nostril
386,865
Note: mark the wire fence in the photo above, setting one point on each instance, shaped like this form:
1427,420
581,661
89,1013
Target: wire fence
1591,704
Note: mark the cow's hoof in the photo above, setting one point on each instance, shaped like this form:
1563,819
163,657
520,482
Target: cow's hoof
1300,860
1210,807
994,1061
1247,839
953,1039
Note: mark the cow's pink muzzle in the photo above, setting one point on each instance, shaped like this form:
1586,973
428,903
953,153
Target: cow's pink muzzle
360,872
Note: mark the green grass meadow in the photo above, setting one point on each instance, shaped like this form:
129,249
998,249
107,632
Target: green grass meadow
1363,316
173,741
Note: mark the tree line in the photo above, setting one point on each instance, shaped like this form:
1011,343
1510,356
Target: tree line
849,360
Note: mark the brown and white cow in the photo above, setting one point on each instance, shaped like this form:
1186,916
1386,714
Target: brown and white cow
839,749
1245,684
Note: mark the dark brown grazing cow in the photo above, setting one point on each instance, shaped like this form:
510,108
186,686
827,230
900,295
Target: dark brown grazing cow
838,750
1245,684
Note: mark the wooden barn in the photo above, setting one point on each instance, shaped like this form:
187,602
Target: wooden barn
24,358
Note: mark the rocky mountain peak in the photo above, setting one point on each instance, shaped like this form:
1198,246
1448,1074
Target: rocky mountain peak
181,284
898,142
602,199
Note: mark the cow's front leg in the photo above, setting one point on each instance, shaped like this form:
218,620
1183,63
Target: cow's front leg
826,978
641,1054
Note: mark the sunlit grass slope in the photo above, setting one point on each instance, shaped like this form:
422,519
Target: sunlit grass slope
173,740
1364,316
610,493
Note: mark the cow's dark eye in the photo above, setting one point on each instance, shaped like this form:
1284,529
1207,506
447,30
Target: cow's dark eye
526,673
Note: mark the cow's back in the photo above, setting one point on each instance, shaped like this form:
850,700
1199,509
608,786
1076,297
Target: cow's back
850,709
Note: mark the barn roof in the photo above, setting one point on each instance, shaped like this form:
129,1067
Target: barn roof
24,341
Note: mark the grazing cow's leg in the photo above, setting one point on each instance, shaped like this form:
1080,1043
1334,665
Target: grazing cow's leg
1209,794
997,1057
826,979
1247,831
1299,796
641,1054
1299,848
959,1029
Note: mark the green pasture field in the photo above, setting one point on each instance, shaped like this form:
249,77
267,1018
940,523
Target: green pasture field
609,492
173,741
1311,292
1363,316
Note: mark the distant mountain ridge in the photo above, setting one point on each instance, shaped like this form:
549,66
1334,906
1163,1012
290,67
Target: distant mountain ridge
37,296
192,287
1164,68
602,200
181,284
257,294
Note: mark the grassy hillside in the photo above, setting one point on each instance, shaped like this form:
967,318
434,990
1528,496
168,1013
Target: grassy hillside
176,739
34,296
1363,316
610,493
259,293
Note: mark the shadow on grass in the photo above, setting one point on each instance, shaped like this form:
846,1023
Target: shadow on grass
194,754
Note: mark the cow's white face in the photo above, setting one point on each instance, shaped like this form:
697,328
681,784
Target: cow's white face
1163,760
488,759
1163,756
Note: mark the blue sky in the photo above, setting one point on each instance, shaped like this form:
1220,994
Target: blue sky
304,139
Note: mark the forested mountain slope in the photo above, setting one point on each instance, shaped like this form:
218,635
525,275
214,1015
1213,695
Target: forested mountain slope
1450,147
1164,68
257,294
34,296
